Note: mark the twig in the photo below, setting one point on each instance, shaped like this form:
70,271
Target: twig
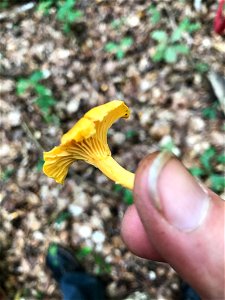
31,136
16,11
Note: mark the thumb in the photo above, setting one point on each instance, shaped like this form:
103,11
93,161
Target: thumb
183,222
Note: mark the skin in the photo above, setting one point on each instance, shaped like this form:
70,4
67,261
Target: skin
198,256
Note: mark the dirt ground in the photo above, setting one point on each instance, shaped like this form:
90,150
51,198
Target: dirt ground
166,101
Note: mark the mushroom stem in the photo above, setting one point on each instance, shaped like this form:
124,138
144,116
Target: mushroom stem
114,171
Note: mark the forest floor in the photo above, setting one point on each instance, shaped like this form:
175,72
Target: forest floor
173,107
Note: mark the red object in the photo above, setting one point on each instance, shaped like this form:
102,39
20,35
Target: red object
219,21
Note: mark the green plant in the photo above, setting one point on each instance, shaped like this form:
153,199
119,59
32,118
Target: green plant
101,266
83,252
4,4
6,174
66,12
119,49
170,46
44,98
130,134
201,67
208,161
62,216
127,195
168,144
211,111
118,23
40,164
154,14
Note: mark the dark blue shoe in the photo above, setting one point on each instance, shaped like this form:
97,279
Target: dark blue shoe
61,261
74,282
188,293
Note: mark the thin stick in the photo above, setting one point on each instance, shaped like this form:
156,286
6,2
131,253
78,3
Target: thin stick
16,11
31,136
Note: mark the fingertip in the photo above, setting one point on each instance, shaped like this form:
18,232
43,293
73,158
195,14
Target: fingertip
135,237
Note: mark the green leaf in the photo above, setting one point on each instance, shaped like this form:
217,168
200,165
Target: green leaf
51,118
118,187
126,42
36,76
206,158
221,158
22,86
176,35
4,4
76,15
155,15
209,113
6,174
116,24
64,9
45,102
53,249
217,183
40,164
186,25
159,35
111,47
197,172
83,252
102,266
42,90
128,197
131,134
44,6
120,54
181,49
202,67
159,53
63,216
169,145
170,55
66,28
193,27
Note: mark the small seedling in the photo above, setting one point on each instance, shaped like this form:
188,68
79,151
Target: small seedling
127,195
44,6
210,112
201,67
62,217
168,144
130,134
83,252
101,266
66,12
119,49
208,160
44,98
170,46
154,14
4,4
39,165
6,174
118,23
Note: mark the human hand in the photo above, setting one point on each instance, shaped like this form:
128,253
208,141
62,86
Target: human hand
176,220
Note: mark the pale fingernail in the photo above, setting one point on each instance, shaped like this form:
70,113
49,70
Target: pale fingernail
176,194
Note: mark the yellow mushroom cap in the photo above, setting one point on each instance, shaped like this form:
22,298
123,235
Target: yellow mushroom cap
86,140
